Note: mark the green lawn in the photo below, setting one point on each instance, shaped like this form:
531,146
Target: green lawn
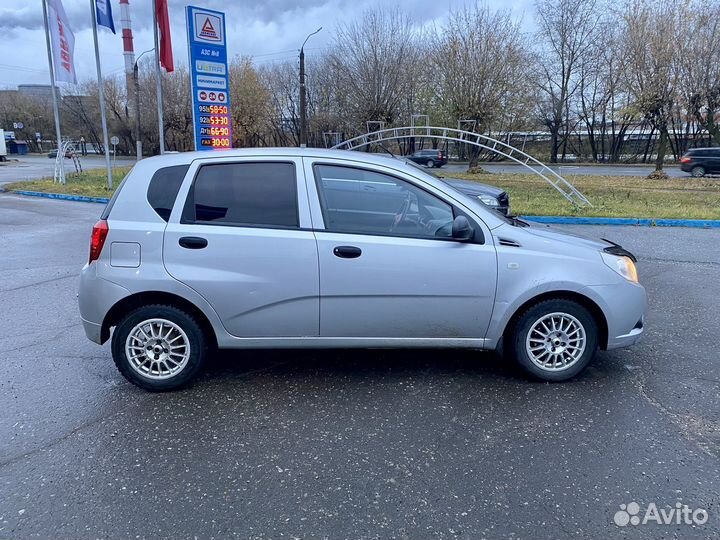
92,183
611,196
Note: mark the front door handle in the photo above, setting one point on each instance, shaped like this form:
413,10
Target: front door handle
347,252
193,242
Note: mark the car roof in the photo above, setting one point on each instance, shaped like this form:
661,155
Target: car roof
185,158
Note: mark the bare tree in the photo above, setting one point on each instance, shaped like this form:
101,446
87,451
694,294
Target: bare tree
374,60
701,68
479,61
652,55
567,31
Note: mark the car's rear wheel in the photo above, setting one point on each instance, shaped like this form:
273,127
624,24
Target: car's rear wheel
430,164
158,347
698,172
554,340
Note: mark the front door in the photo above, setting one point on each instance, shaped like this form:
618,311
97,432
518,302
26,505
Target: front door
388,265
243,242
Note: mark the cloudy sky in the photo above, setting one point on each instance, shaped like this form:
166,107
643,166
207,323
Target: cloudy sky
268,30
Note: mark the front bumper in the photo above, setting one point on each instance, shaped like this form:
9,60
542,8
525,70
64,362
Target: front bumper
624,306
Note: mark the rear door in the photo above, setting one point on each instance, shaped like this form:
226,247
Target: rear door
240,235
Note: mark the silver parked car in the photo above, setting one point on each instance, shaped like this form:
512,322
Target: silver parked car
288,248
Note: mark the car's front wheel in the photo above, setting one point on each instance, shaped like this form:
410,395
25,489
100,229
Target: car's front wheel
158,347
698,172
554,340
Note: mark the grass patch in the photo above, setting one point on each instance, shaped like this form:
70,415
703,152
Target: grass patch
611,196
92,183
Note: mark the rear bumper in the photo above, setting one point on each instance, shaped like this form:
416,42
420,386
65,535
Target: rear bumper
95,298
687,167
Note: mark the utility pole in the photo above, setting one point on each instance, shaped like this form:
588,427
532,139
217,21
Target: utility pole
303,104
55,92
158,83
138,142
136,81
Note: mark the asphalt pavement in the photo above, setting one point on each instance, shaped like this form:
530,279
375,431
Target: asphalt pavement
352,444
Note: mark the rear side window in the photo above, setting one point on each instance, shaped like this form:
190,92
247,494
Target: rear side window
245,194
164,187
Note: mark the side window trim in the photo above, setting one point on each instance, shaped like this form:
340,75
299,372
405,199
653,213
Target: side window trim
187,215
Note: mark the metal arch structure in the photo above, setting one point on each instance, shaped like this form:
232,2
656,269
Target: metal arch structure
565,188
66,148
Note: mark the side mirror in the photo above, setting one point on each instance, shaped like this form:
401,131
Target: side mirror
461,229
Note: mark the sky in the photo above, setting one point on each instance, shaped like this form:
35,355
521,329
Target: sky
268,30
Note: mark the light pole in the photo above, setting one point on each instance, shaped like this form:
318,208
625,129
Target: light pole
303,104
136,80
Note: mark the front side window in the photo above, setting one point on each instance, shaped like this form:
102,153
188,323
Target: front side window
367,202
246,194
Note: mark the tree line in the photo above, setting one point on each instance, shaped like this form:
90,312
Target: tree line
594,79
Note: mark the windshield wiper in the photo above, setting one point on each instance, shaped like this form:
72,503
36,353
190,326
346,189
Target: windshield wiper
517,222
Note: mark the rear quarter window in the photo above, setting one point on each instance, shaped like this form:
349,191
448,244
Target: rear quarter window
164,187
109,206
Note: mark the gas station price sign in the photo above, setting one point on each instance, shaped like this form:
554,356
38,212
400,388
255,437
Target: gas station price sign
209,78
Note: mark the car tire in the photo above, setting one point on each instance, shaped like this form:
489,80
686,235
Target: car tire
698,172
429,163
159,364
544,350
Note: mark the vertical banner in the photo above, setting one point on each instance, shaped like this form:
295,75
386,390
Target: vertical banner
63,42
209,78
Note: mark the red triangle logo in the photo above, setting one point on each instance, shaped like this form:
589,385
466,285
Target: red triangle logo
208,29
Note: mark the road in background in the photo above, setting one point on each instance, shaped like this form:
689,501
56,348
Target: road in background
569,170
31,167
351,444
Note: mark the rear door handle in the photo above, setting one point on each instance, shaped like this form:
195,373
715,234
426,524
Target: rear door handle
347,252
193,242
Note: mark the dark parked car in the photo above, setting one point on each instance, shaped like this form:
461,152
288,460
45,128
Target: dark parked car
430,158
701,161
492,196
53,154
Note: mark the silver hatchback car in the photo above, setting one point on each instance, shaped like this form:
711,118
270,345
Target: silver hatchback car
293,248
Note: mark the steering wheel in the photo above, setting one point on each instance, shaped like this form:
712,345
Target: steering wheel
402,213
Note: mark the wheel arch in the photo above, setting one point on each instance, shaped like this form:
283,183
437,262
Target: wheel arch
134,301
585,301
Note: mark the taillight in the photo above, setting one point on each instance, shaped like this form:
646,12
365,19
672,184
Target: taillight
685,159
440,155
97,239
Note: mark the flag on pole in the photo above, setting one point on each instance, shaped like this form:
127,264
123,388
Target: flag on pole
103,12
63,42
163,22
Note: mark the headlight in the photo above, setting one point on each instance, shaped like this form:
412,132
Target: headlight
487,199
622,265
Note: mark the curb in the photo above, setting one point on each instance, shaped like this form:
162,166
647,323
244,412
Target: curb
548,220
642,222
62,197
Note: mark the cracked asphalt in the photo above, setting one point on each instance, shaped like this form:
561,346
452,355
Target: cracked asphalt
359,444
